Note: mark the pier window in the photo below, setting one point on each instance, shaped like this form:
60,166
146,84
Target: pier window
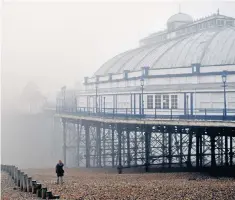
229,23
165,101
174,101
211,23
200,26
194,28
150,101
158,101
220,22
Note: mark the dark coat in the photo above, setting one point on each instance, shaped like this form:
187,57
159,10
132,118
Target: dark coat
59,169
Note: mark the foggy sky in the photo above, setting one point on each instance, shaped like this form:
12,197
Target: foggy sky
58,43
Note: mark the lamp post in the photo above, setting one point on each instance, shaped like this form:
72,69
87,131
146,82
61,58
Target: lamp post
142,94
75,103
57,104
224,80
104,105
96,96
63,89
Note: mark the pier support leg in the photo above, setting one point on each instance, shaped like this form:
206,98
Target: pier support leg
163,132
113,156
64,140
147,147
119,149
226,151
104,145
169,149
78,142
189,164
231,151
135,147
98,145
201,150
213,162
197,150
181,149
87,135
128,147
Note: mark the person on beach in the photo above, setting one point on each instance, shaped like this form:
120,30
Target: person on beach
60,171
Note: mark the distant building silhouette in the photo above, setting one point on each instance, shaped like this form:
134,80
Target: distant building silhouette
31,100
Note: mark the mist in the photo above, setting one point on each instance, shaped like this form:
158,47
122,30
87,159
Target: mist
59,43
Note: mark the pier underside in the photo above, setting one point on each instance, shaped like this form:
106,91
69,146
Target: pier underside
149,145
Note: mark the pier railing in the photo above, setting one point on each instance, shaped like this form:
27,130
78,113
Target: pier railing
172,114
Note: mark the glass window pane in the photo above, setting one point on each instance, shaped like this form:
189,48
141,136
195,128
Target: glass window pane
158,101
150,101
165,101
174,101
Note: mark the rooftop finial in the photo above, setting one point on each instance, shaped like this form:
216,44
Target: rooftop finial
218,11
179,8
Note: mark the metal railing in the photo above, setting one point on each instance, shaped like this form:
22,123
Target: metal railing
172,114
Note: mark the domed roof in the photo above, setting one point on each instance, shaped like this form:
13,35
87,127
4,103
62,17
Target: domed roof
180,17
210,47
